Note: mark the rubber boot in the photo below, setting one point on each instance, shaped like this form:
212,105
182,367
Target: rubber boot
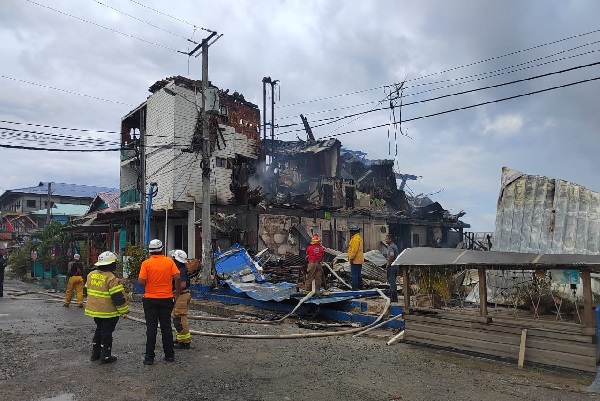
179,345
105,356
96,351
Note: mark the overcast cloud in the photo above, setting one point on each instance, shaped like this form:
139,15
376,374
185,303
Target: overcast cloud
320,49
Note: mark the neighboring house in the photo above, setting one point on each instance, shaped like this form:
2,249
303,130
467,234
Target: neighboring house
268,193
60,212
17,204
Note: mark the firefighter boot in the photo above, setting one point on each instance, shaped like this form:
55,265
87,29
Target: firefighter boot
96,351
179,345
105,356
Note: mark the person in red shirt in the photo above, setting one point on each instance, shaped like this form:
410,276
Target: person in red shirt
314,257
157,275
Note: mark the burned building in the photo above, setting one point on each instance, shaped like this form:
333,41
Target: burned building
264,193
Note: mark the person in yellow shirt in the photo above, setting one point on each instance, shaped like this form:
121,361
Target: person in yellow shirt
105,303
75,283
356,257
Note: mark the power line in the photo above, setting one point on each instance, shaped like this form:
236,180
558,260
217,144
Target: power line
170,16
63,128
59,136
453,94
65,90
469,107
145,22
59,150
501,71
443,71
102,26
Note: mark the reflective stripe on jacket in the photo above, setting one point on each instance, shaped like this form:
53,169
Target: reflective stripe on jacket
106,296
355,250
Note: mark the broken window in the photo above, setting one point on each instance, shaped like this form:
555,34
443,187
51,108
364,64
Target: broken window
327,195
223,162
223,110
326,239
350,196
415,240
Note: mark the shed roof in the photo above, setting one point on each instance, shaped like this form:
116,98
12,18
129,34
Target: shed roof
446,257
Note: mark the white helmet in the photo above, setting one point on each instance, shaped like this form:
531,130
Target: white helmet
155,245
76,256
179,255
106,258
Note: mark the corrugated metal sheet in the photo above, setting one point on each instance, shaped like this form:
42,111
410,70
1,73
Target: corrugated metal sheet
461,257
63,209
60,189
538,214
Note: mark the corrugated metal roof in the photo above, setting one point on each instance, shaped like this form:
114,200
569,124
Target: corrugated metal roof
63,209
545,215
461,257
61,189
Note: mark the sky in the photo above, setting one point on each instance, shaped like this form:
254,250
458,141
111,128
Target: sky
86,63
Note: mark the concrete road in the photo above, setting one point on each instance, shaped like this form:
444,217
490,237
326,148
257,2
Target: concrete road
45,348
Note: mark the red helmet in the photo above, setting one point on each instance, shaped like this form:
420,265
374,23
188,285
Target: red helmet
315,239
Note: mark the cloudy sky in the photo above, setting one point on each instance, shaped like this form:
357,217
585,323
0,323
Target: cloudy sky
85,63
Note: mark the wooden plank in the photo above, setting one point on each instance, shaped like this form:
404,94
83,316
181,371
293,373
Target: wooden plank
465,333
507,350
522,348
584,364
482,292
512,337
406,287
505,328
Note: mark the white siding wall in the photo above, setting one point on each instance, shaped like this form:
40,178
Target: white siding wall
179,175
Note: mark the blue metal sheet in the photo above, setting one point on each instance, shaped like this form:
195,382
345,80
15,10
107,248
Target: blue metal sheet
264,291
235,262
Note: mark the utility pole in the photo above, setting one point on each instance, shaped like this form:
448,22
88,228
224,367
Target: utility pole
206,232
273,83
48,204
142,177
265,81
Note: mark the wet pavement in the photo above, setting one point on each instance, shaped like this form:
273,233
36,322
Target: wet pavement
45,348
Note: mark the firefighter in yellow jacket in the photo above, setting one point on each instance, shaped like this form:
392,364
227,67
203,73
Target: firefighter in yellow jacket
356,257
105,303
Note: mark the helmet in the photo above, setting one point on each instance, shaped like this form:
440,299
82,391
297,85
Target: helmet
354,227
315,239
106,258
155,245
179,255
76,256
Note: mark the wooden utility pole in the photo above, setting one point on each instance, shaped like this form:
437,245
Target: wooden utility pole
206,231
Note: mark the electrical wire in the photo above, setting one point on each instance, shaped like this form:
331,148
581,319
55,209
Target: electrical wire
102,26
65,90
58,150
470,106
145,22
443,71
498,72
170,16
63,128
455,94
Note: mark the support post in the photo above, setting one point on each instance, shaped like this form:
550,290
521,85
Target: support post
265,80
48,203
589,317
483,295
406,289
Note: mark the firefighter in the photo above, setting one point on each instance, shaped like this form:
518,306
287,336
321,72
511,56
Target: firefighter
182,304
75,275
106,302
314,257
